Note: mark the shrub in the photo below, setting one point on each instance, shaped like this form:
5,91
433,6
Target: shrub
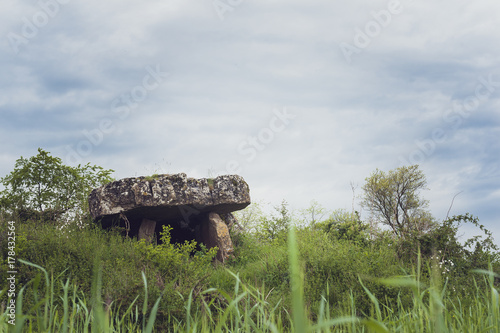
342,225
42,188
333,267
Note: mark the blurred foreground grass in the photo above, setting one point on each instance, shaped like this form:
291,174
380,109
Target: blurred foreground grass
247,309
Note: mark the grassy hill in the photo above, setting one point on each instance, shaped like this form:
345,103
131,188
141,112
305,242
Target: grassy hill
346,279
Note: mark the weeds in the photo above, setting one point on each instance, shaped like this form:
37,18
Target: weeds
247,308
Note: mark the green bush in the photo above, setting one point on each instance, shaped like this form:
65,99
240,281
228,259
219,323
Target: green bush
342,225
41,188
334,266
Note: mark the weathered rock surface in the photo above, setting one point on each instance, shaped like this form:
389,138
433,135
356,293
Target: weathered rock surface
147,230
169,196
214,232
142,205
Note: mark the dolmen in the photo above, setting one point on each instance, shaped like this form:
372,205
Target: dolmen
196,209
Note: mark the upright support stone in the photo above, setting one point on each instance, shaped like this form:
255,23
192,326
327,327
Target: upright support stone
147,230
214,232
231,222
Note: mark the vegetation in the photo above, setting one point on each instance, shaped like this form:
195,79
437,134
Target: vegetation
394,199
325,271
43,188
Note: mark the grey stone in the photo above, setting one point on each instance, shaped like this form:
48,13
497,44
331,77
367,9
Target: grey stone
214,232
166,196
147,230
231,222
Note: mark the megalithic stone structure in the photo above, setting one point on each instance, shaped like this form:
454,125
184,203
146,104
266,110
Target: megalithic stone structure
192,207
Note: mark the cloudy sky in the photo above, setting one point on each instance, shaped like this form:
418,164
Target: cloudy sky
302,98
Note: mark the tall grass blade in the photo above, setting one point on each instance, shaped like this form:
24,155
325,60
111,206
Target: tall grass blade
373,299
97,314
65,307
48,295
20,318
128,312
152,317
375,326
300,322
145,305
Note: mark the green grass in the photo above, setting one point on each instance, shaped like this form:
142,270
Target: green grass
59,306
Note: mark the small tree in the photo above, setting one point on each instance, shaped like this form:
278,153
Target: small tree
43,188
393,198
249,217
314,214
276,227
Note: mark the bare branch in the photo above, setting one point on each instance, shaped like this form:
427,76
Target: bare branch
353,195
453,200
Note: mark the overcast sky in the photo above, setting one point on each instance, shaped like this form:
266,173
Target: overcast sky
301,98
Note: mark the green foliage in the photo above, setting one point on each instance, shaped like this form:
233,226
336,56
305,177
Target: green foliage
300,322
444,238
249,217
42,188
177,269
342,225
210,182
276,227
333,265
314,213
62,307
152,177
171,258
72,312
393,199
71,254
253,220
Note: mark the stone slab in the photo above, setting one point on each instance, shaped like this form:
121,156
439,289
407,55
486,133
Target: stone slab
164,197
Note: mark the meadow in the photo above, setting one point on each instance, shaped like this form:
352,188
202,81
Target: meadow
287,275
